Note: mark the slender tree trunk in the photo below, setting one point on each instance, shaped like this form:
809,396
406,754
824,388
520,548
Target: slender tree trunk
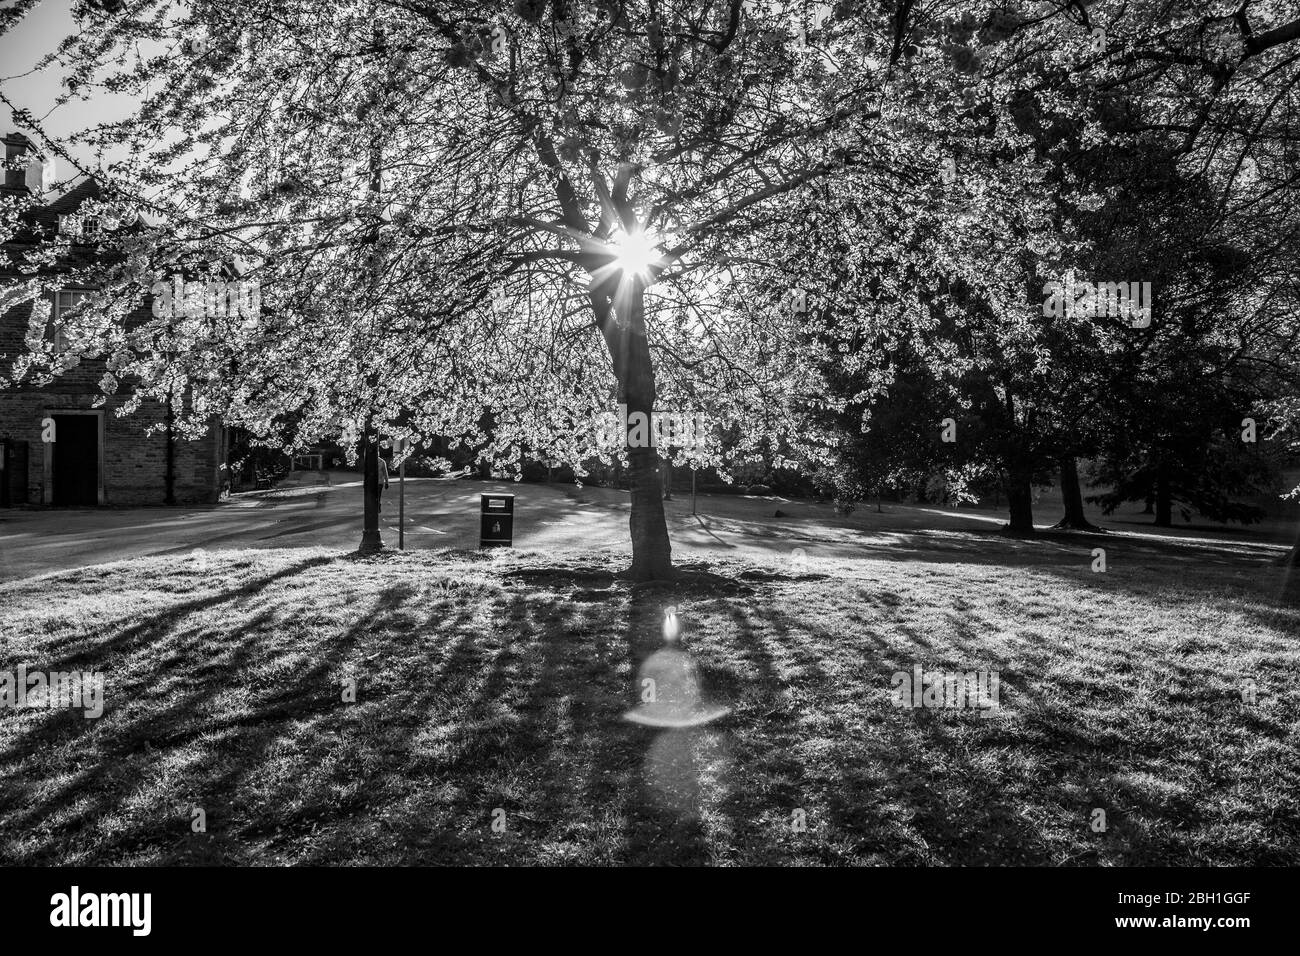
370,540
1020,497
1019,477
1164,498
1072,497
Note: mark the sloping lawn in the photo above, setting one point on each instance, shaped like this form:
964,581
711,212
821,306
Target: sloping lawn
491,689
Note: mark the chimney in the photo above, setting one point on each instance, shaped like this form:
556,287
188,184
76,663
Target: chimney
24,168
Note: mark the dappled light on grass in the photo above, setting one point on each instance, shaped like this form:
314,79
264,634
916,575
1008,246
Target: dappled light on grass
480,685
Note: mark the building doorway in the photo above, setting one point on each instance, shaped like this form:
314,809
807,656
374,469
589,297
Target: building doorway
13,473
74,460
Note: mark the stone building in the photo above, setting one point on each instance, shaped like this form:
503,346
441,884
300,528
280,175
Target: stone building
97,457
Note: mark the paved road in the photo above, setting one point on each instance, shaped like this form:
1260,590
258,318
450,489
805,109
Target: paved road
443,513
440,513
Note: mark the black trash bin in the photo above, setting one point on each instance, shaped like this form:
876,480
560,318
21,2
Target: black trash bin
497,521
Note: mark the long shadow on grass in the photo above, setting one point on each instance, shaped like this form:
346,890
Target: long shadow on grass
557,757
919,786
520,717
155,632
876,784
542,735
768,802
217,752
367,789
258,809
825,775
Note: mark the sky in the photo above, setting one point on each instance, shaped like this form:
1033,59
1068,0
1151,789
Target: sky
20,50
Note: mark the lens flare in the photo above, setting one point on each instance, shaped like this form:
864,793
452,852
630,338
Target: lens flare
671,628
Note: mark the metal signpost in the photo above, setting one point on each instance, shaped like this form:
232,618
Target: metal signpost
400,446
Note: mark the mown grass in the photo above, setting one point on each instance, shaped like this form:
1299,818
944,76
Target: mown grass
499,681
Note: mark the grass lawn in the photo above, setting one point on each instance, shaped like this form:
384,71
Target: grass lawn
499,681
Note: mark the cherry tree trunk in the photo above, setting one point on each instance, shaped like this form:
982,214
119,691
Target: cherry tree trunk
651,549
